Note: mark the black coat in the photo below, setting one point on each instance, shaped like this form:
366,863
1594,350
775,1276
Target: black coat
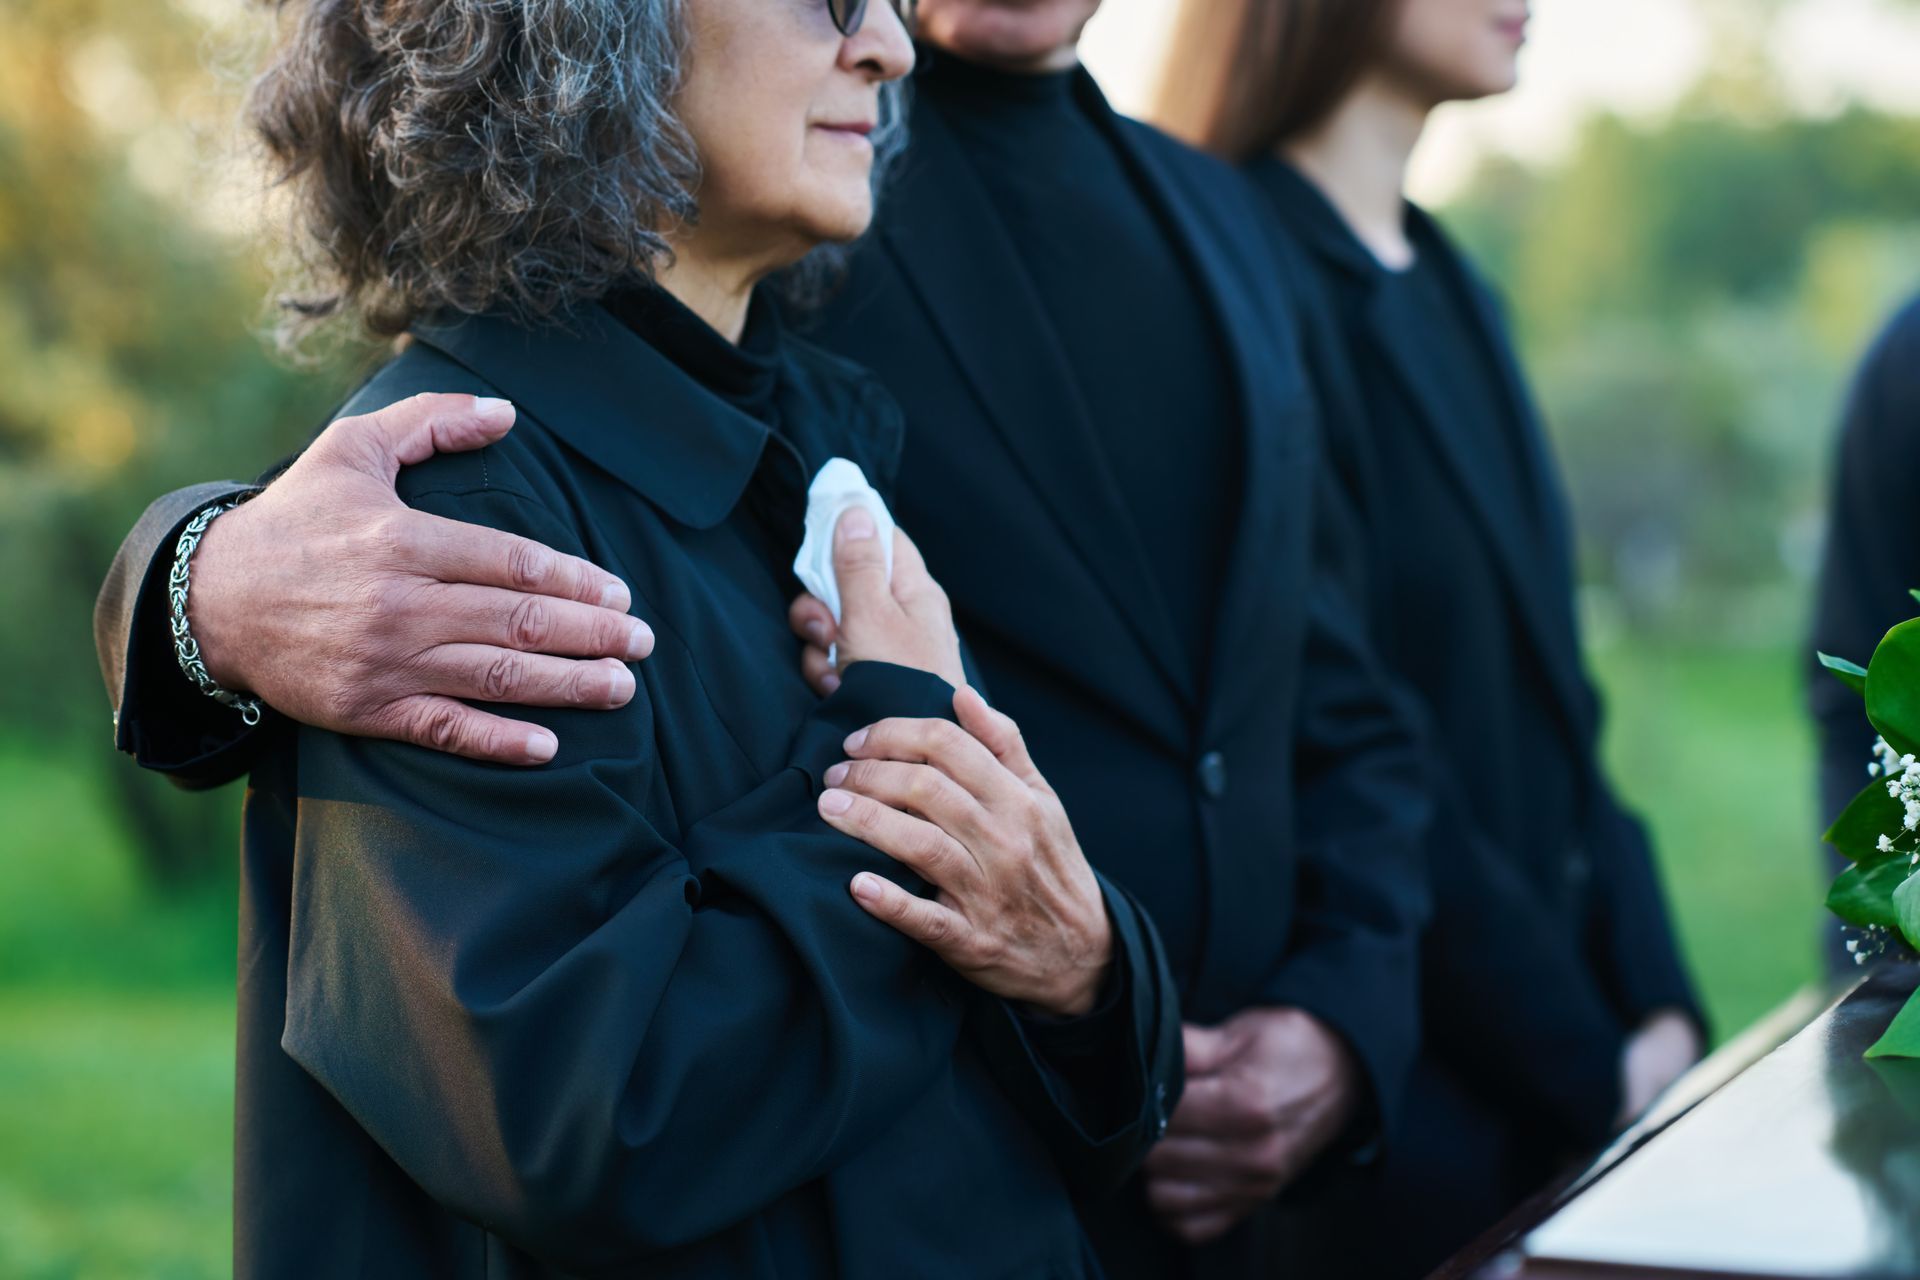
1872,558
1550,938
619,1014
1268,816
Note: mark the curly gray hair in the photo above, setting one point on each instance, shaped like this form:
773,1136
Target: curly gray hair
475,155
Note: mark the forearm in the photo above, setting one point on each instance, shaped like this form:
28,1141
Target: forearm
1364,793
1511,999
1638,949
588,1031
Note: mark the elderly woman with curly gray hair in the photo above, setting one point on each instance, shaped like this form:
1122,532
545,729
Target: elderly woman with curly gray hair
674,1003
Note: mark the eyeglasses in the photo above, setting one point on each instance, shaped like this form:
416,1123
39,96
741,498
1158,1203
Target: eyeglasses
849,14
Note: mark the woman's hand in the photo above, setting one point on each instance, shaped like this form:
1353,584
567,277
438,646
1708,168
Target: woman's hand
1018,911
907,622
1656,1054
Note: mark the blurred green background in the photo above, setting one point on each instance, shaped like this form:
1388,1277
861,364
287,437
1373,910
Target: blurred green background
1691,290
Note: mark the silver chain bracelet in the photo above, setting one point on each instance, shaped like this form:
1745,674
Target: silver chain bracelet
185,647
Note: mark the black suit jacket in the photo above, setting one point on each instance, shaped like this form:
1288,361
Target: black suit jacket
1269,814
1872,559
1543,951
619,1015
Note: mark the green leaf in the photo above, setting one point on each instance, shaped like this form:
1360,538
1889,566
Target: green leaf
1864,895
1906,909
1914,592
1856,832
1901,1076
1893,687
1850,674
1902,1039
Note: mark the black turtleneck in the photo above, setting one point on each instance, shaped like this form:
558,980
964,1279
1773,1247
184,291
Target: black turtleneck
744,374
1127,307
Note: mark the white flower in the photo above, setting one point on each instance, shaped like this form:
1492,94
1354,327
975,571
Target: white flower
1886,844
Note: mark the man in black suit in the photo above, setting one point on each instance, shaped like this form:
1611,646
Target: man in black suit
1111,463
1872,560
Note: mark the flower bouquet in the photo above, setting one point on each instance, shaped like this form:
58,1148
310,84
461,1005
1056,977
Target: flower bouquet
1879,833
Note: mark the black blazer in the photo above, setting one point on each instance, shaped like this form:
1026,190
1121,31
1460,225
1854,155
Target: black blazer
1268,816
619,1015
1550,937
1872,559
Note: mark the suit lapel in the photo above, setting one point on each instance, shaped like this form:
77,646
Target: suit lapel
1536,567
955,252
1267,385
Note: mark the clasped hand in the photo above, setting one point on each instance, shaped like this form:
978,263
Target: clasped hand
1016,908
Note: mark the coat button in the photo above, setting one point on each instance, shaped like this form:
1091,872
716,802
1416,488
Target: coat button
1160,1110
1211,773
1578,871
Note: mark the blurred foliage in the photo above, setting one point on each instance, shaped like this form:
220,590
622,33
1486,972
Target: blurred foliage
1691,296
129,357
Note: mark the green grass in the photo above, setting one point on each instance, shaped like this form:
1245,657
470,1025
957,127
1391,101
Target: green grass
116,1007
115,1132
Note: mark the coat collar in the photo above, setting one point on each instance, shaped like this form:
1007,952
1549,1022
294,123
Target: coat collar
1529,539
593,383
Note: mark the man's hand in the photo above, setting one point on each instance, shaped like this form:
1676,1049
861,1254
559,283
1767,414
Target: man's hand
1656,1055
339,606
1019,912
1267,1091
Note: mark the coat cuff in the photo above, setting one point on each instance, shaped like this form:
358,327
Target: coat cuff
869,692
160,717
1099,1089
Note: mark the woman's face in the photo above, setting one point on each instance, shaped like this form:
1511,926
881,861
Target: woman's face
779,105
1454,50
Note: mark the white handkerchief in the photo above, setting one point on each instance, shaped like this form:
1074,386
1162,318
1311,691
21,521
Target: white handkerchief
839,487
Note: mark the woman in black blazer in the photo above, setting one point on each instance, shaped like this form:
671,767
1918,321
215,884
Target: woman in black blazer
1555,1005
652,1009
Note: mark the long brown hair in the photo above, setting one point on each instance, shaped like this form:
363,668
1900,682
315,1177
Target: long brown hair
1243,77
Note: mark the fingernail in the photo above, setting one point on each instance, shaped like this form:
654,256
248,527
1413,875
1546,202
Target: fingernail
835,802
829,682
857,524
616,596
640,643
838,774
856,740
541,746
623,686
866,886
816,631
492,409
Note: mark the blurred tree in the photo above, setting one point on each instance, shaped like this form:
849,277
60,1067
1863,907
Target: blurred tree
128,360
1691,296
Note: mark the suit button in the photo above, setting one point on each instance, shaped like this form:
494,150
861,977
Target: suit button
1578,871
1211,774
1160,1110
